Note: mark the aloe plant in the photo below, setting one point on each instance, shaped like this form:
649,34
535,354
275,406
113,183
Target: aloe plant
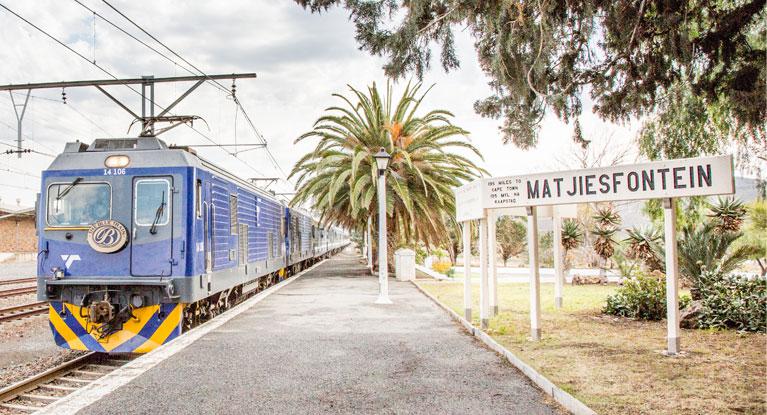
644,245
604,245
728,214
572,235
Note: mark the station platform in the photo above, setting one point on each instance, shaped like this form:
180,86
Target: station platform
321,345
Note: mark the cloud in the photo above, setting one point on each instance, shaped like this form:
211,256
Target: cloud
300,58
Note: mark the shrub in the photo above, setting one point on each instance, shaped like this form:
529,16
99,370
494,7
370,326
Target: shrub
641,297
441,266
732,301
420,254
441,254
450,273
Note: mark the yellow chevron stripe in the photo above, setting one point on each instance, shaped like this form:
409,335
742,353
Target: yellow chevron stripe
64,331
158,338
129,330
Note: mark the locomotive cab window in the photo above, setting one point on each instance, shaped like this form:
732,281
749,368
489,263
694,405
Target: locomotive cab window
77,203
152,202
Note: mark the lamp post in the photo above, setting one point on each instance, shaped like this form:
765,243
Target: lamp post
382,160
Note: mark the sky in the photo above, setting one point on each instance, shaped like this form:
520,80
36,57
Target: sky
300,59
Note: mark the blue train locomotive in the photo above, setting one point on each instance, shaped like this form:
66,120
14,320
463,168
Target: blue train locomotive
139,241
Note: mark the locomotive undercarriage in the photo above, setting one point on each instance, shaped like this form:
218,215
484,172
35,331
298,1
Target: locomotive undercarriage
140,318
203,310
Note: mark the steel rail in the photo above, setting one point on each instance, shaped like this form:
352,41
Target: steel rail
17,291
19,388
18,281
38,391
23,310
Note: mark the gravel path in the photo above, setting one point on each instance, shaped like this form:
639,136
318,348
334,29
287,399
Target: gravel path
22,269
321,345
26,346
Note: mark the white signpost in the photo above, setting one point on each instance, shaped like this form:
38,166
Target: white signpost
488,197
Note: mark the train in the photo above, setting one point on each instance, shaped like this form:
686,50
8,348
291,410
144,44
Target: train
140,241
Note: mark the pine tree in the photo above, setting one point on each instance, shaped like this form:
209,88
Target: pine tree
543,55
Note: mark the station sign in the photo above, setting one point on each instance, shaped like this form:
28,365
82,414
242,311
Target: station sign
468,201
701,176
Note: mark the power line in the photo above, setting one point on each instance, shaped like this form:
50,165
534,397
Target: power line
5,167
45,118
114,77
234,97
18,187
12,128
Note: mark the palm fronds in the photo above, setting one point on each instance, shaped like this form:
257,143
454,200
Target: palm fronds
339,177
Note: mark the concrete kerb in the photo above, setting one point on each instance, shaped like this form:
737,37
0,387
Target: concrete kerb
560,396
94,391
431,273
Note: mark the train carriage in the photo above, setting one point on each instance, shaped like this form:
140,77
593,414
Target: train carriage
139,241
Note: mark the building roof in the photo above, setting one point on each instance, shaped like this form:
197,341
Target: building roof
9,211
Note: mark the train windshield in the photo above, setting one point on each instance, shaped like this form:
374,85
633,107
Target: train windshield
78,204
152,202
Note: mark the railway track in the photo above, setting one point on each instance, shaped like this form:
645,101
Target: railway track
23,310
12,292
38,391
18,281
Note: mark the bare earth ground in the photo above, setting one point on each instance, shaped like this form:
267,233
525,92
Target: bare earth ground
26,346
614,365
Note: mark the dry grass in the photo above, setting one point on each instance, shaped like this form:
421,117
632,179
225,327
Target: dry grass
614,365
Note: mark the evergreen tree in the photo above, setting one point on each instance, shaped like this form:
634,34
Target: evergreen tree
544,55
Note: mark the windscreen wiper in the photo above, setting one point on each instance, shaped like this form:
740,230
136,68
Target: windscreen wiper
158,215
68,188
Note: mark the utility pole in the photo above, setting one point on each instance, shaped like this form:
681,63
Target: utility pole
19,118
148,119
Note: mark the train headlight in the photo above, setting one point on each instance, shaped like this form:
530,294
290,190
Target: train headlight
114,162
58,273
136,301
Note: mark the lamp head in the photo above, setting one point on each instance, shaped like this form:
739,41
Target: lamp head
382,160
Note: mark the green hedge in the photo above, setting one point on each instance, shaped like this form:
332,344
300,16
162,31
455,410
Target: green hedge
643,297
733,302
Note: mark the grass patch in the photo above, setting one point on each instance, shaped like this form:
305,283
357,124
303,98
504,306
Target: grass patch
613,364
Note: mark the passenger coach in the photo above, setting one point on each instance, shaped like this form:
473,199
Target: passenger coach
139,241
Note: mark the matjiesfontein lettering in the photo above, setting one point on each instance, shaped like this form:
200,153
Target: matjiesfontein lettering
634,181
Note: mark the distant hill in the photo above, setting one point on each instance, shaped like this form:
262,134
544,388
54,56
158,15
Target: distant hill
632,215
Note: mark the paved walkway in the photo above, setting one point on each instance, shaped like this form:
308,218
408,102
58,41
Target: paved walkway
320,345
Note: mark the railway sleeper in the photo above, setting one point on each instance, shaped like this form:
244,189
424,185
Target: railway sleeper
40,398
20,407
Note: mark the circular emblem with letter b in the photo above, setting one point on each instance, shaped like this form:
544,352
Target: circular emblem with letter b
107,236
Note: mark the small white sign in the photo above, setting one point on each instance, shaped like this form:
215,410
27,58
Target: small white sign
468,201
662,179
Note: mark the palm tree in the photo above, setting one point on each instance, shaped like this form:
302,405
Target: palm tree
339,176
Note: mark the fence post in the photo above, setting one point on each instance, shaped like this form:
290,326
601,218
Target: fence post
672,276
535,278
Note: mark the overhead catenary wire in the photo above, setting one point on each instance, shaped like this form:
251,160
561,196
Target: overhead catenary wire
201,72
72,107
47,118
101,68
